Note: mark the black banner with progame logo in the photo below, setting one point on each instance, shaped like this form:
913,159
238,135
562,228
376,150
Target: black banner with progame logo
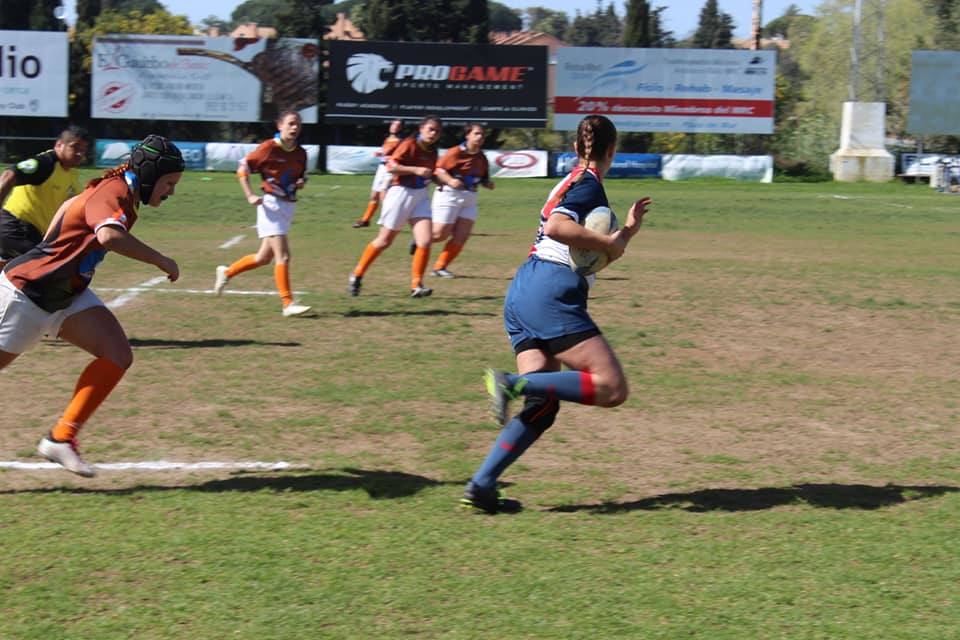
502,86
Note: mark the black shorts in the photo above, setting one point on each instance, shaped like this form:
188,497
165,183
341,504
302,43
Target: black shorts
16,236
556,345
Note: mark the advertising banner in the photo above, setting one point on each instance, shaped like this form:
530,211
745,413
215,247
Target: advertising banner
934,100
504,86
110,153
34,69
684,90
346,159
518,164
625,165
203,78
749,168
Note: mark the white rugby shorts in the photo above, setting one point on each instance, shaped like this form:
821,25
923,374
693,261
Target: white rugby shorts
402,204
449,204
274,216
23,323
381,179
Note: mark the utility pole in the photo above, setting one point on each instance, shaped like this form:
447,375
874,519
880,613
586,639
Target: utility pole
756,25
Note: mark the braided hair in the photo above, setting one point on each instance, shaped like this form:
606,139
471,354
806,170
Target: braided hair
596,135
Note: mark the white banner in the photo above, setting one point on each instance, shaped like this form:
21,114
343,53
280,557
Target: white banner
201,78
518,164
34,69
688,90
751,168
345,159
225,156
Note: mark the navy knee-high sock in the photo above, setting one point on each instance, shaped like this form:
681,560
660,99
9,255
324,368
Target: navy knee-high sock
575,386
515,438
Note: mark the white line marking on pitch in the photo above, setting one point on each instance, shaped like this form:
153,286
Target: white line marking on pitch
836,196
159,465
133,292
232,241
228,292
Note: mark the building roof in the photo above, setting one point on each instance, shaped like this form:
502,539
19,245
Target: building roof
252,30
343,29
526,38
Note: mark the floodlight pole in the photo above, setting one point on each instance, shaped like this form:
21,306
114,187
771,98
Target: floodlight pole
854,86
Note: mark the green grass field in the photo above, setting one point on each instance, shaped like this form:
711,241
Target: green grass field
788,464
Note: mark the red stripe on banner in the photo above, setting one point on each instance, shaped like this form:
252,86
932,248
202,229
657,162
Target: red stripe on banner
684,107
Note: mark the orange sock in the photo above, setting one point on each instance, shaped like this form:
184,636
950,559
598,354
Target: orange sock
369,255
450,251
243,264
420,259
95,384
281,274
371,209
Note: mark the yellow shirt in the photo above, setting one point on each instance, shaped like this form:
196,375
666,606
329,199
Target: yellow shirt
42,185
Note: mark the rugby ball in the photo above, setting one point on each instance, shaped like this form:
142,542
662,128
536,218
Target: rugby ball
587,261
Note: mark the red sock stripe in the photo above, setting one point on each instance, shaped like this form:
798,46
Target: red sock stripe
586,388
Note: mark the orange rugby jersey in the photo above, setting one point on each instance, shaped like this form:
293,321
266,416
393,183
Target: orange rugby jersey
279,168
62,265
409,153
472,168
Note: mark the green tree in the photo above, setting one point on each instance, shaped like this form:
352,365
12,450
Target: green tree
643,26
426,20
715,28
503,18
824,56
602,28
547,20
303,19
29,15
263,12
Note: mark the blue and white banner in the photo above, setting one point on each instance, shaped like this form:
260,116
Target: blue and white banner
690,90
625,165
198,156
34,68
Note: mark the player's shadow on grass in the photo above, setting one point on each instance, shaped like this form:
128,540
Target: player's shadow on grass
377,484
356,313
207,343
826,496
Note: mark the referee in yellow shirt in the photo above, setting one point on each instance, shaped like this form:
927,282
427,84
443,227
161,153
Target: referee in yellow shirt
36,188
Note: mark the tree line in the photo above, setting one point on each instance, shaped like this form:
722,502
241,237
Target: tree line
813,60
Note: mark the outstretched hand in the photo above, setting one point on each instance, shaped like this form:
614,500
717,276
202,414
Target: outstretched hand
636,213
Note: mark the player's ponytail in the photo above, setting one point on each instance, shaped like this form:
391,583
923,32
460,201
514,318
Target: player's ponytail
596,135
109,173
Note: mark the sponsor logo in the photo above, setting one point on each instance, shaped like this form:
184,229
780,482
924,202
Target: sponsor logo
115,97
615,80
516,160
28,166
366,73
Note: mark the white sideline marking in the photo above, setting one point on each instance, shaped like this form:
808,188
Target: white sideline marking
895,205
133,292
158,465
232,241
227,292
